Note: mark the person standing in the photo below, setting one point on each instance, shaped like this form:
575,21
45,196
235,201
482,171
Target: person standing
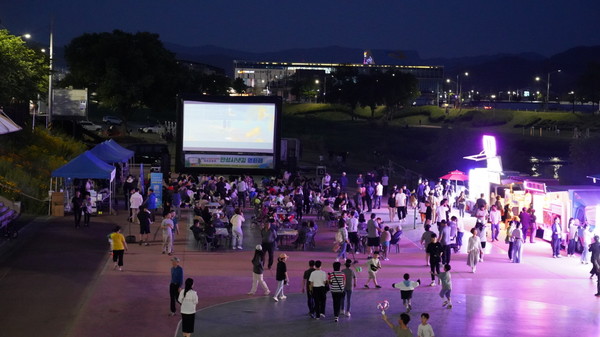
461,202
572,232
342,236
151,203
119,247
87,209
532,226
509,240
585,236
318,282
474,250
242,190
373,266
349,285
594,248
425,329
426,239
76,203
269,236
517,243
401,204
353,237
257,272
188,299
495,218
281,276
435,250
135,201
482,232
373,231
337,281
556,237
236,229
176,283
310,300
167,227
446,241
378,195
145,219
525,219
401,330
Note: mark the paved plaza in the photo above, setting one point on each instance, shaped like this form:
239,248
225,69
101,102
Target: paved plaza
56,280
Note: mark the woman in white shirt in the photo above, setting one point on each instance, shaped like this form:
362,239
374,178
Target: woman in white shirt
188,299
474,250
517,242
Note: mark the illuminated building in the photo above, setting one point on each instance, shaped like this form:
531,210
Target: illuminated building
272,78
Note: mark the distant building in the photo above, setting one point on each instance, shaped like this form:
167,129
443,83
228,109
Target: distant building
205,69
270,78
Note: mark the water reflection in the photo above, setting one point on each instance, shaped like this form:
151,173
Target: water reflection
546,167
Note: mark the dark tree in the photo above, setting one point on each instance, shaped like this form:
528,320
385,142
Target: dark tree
127,71
239,86
589,84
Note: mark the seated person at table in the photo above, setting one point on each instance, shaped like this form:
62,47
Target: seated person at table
313,226
217,222
209,231
196,229
302,234
328,209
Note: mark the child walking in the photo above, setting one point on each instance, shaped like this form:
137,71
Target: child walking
406,290
373,265
386,237
446,281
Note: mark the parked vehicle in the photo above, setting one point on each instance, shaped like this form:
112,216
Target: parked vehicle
112,120
90,126
158,128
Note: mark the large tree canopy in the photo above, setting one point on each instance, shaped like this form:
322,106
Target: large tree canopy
126,71
23,71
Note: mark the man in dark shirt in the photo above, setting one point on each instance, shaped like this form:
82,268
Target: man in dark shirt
309,296
434,249
176,283
269,235
77,201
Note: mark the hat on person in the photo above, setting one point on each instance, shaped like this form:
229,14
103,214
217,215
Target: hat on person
283,256
258,247
175,259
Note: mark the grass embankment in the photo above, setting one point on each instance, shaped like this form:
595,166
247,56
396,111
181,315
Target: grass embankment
27,160
426,139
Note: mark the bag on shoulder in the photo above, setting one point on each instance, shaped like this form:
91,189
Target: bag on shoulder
339,238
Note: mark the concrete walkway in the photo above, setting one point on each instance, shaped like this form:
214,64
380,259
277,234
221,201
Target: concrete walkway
57,281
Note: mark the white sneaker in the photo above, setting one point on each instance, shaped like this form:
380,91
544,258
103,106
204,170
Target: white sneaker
250,293
348,314
275,298
282,297
432,284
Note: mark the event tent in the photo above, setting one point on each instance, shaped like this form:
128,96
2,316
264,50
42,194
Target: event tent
126,153
85,166
109,154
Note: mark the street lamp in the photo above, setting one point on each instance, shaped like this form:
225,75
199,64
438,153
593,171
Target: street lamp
547,100
459,87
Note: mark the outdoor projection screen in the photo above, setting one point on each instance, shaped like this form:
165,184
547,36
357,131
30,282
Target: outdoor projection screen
228,133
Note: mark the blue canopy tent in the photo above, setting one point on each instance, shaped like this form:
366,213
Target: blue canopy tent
108,154
121,150
86,166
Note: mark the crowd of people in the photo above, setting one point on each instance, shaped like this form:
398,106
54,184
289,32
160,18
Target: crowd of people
284,202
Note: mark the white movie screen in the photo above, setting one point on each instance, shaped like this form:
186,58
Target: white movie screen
228,127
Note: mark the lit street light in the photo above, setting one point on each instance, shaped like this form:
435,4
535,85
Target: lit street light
547,100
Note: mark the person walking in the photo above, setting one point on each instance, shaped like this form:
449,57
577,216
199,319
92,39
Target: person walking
257,272
318,283
150,203
446,241
135,201
119,247
556,237
373,266
446,281
572,230
508,239
281,276
176,283
269,237
474,250
236,229
495,219
310,300
425,241
145,219
435,250
337,281
353,237
188,299
342,237
76,204
406,290
517,243
87,209
349,285
425,329
373,232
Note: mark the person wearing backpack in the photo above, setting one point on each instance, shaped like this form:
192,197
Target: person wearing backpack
341,237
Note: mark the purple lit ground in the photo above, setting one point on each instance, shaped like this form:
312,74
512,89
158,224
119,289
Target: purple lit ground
61,280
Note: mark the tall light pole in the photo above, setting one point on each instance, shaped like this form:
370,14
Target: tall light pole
548,87
51,55
459,88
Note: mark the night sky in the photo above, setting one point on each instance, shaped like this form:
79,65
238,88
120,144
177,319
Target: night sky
433,28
